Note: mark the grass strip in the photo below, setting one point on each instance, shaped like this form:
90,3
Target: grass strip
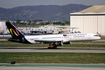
52,57
5,37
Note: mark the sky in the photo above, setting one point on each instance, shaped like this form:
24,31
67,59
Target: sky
16,3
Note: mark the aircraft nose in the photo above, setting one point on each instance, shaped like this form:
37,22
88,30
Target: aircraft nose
98,37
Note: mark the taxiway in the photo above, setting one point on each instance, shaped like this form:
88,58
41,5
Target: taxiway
51,67
59,49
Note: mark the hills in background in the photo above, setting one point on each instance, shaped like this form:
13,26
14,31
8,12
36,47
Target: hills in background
43,12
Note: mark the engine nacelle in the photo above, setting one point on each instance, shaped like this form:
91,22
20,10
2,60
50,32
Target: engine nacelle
58,43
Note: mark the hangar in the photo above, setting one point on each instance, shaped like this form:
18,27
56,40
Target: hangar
2,27
90,20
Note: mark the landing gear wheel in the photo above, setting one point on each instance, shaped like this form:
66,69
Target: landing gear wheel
49,47
54,47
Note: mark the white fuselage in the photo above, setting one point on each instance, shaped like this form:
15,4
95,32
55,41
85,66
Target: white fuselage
63,37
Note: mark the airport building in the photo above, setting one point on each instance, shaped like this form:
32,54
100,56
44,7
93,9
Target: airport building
48,29
55,29
90,20
2,27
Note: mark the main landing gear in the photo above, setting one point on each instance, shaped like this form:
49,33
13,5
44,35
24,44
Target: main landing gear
52,46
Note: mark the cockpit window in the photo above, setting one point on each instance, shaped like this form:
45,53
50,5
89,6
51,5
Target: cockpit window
96,35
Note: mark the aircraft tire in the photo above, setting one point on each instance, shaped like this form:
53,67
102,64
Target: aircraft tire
54,47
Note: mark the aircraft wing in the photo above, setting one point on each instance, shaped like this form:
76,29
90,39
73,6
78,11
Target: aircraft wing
47,40
54,42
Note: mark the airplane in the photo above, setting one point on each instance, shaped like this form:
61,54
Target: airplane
53,40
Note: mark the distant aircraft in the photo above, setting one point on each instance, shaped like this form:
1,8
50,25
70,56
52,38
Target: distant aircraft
53,40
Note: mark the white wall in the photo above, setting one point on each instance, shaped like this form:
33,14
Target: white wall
2,27
77,21
90,24
101,24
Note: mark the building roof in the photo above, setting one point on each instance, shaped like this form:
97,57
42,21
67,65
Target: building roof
94,9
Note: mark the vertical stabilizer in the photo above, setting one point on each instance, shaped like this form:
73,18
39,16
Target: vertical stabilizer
15,33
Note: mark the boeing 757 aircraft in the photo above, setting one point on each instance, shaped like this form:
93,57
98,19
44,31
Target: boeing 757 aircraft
53,40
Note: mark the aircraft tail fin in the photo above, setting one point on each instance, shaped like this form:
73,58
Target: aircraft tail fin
15,33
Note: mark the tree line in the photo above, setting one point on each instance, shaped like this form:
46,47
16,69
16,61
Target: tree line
38,23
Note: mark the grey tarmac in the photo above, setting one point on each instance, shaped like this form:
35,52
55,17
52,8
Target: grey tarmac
59,49
51,67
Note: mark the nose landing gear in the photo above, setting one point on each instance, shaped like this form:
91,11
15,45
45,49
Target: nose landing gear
88,43
52,46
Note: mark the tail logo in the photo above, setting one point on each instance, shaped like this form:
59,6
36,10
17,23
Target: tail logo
57,43
14,31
